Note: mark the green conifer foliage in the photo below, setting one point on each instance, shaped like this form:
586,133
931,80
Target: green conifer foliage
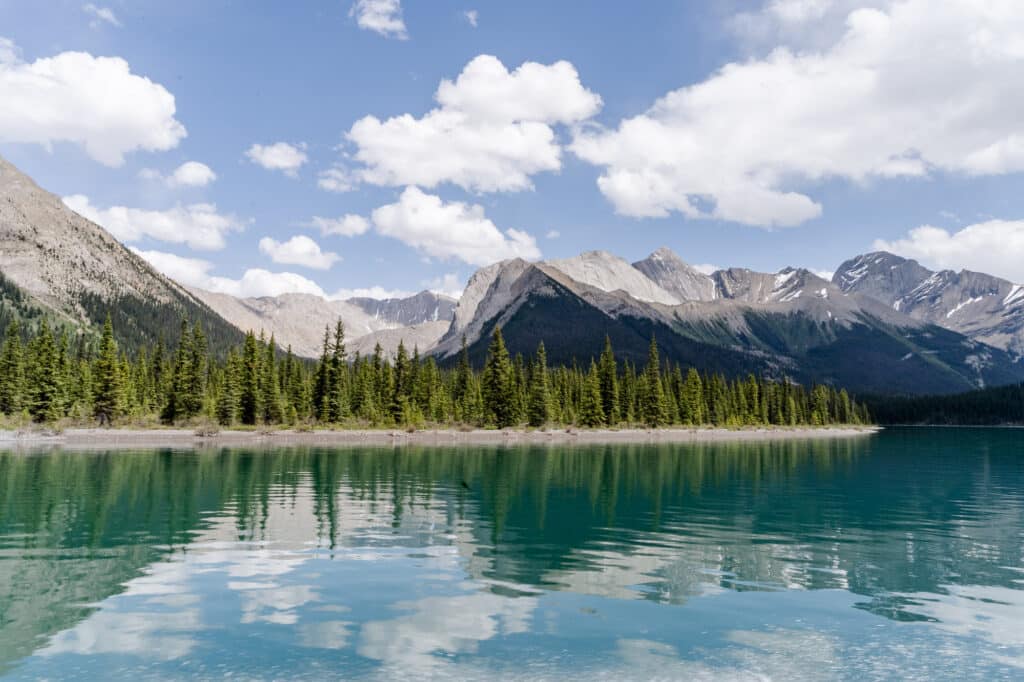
12,371
107,393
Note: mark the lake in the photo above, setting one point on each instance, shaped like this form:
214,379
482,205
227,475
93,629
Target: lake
893,556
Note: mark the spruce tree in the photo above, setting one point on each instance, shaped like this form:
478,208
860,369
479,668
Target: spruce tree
270,394
497,383
249,393
227,401
43,380
591,413
653,409
539,407
12,371
106,376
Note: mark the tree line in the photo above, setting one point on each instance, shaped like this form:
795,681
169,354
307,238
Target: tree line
47,376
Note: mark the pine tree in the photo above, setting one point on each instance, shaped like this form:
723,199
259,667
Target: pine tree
653,408
249,391
497,383
227,401
270,394
106,375
43,381
539,407
591,412
12,371
339,407
609,377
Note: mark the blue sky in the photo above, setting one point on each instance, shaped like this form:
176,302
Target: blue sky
840,125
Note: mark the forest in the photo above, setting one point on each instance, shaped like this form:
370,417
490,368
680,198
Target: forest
56,377
994,406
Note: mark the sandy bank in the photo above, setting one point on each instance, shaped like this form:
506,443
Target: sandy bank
120,438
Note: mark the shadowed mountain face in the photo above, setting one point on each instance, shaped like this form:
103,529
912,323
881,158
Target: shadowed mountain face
57,263
980,306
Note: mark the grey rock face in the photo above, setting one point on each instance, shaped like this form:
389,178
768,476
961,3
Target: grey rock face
425,306
982,307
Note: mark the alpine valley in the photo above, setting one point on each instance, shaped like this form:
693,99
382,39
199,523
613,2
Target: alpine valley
883,324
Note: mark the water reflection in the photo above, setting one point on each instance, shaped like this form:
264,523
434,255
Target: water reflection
530,561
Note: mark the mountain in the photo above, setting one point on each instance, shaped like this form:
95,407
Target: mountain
423,336
677,277
56,263
789,325
979,306
607,272
299,320
425,306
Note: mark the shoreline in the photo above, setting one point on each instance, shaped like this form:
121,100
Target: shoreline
96,438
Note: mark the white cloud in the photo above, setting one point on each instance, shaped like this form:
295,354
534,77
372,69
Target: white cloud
446,230
824,274
255,283
448,284
96,102
349,225
380,16
287,158
337,179
375,291
706,268
472,16
994,247
199,226
491,132
191,174
100,15
299,250
9,52
553,234
905,91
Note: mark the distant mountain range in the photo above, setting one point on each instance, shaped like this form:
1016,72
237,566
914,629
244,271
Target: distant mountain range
884,324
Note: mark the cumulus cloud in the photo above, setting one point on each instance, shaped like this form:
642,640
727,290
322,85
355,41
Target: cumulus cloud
993,247
472,16
450,230
192,174
375,291
255,283
200,226
188,174
491,132
337,180
100,15
448,284
908,89
299,250
349,225
95,102
380,16
287,158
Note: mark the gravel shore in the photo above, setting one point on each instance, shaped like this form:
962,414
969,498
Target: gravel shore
121,438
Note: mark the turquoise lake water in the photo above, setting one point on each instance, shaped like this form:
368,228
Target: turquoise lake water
894,556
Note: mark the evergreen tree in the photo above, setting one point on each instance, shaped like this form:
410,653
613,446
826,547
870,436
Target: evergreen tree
249,407
609,378
653,408
539,408
43,379
227,401
591,412
270,394
12,371
106,375
497,383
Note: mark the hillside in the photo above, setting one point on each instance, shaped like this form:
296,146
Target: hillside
75,272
